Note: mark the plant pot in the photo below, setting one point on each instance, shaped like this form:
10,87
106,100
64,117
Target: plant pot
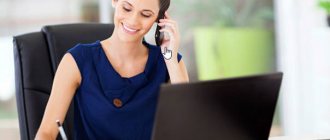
231,52
245,51
207,59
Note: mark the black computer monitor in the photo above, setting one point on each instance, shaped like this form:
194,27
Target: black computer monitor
230,109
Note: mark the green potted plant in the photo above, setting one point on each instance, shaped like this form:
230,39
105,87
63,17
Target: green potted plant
325,4
232,37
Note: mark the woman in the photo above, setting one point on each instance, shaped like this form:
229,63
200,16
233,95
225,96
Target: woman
114,82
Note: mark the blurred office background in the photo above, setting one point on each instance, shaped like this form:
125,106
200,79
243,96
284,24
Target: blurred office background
219,39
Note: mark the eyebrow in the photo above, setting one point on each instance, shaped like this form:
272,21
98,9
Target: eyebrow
142,9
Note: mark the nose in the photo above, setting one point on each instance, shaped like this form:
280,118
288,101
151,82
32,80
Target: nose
132,20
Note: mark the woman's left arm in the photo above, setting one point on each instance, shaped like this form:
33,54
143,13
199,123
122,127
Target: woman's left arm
177,71
170,45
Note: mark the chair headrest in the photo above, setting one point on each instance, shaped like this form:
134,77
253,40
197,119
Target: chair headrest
60,38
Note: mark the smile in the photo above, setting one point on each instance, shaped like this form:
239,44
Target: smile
129,30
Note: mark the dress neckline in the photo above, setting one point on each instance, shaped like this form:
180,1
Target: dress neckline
136,76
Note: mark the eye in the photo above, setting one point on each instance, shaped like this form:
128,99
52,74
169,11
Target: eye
145,15
126,9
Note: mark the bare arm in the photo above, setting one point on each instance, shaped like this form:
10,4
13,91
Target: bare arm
170,45
66,81
177,71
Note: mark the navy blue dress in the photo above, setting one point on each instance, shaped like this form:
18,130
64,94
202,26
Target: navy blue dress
108,106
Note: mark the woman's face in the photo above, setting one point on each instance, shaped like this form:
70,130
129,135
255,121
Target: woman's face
134,18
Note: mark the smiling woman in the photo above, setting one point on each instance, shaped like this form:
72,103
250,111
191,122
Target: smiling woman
128,12
114,82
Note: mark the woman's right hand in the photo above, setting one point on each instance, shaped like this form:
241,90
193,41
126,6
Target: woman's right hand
67,79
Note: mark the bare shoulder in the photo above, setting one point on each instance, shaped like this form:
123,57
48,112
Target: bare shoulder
68,68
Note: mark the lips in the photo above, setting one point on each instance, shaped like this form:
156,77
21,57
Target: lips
129,30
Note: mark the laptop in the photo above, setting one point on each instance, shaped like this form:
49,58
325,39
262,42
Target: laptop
230,109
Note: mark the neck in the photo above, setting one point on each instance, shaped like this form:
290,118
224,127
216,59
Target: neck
123,49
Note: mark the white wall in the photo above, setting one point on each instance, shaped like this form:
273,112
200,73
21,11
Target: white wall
105,11
303,43
22,16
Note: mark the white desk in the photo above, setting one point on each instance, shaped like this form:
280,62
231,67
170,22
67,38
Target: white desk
306,137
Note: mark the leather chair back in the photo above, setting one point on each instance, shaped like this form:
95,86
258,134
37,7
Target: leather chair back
36,57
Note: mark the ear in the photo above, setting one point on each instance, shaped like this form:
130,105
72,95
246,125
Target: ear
114,3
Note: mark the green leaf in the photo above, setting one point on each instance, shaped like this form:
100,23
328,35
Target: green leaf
325,4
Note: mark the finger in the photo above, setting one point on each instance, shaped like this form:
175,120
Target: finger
167,20
164,44
169,31
161,21
167,16
168,25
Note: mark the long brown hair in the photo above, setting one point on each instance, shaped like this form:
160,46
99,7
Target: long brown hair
163,6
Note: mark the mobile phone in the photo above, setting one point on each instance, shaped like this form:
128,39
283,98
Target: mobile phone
159,36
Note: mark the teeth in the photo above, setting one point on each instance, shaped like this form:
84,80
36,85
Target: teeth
128,29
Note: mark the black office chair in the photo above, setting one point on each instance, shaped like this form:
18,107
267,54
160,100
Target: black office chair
37,56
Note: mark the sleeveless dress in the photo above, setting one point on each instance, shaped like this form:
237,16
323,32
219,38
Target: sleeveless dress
110,107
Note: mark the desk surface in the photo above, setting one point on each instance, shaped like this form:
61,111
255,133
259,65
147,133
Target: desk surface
303,137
